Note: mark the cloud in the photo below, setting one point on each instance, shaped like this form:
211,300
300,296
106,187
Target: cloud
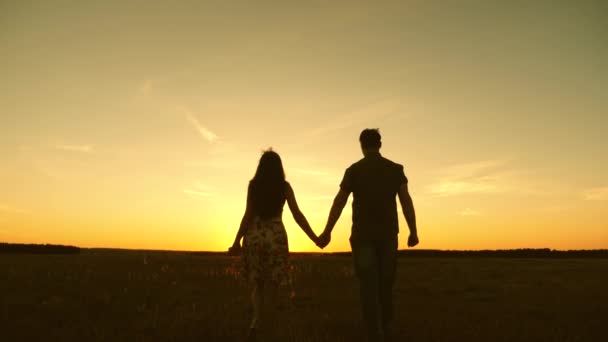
474,169
469,212
200,190
75,148
383,106
197,193
486,176
372,112
448,188
202,130
204,187
596,194
318,176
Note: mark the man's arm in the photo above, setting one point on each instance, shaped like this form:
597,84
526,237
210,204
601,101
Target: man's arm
407,206
334,214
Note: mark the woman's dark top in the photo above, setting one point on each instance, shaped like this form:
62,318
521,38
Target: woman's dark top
267,198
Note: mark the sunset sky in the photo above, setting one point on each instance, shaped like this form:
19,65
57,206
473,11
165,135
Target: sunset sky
138,124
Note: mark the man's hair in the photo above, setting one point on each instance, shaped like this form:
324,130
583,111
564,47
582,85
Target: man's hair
370,138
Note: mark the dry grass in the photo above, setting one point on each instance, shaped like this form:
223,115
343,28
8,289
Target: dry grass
115,296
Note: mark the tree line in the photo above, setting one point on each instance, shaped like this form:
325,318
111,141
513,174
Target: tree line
501,253
510,253
37,248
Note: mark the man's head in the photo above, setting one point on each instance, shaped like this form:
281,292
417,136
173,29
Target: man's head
370,140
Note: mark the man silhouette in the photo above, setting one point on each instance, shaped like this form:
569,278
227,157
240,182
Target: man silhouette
375,182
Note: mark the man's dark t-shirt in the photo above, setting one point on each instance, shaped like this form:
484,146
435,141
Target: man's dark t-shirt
374,182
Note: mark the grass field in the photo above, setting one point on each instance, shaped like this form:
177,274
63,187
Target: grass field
103,295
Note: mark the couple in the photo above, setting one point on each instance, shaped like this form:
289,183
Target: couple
375,182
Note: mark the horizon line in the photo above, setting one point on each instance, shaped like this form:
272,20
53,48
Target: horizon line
316,252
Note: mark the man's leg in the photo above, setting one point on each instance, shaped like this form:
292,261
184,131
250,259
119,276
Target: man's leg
365,260
387,256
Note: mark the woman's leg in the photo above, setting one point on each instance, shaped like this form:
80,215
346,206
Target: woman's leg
257,300
273,300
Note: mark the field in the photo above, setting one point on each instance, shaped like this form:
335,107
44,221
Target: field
105,295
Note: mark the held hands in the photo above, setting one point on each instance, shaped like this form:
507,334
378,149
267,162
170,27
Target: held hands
323,239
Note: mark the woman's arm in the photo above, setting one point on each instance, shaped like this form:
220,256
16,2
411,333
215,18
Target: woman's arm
245,221
297,214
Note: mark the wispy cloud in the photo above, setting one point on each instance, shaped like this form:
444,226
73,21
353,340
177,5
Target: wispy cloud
474,169
447,188
197,193
75,148
202,130
200,190
315,175
486,176
469,212
596,194
372,112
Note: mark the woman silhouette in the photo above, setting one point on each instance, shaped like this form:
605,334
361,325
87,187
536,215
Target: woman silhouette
265,249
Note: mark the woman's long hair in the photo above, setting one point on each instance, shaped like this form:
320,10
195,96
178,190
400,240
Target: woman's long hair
267,188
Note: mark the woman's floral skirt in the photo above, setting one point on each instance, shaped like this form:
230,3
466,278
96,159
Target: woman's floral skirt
266,252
